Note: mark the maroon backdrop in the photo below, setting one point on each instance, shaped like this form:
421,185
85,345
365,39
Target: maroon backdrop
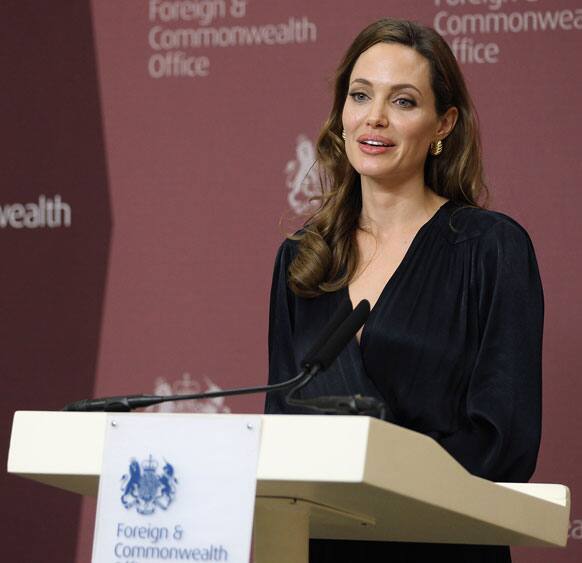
54,241
209,115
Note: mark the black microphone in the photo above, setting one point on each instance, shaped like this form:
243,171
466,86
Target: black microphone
325,356
340,315
322,358
129,402
114,404
351,404
308,365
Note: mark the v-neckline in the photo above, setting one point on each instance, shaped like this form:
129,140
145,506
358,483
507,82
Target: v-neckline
406,258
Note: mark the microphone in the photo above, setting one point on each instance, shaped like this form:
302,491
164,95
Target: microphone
325,356
130,402
343,326
322,358
114,404
340,315
352,404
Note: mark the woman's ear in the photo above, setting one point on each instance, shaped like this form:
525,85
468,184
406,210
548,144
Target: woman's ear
447,123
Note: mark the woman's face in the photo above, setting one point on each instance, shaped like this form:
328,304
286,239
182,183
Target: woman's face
389,115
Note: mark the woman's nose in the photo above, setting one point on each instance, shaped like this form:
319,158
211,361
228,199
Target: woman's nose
377,116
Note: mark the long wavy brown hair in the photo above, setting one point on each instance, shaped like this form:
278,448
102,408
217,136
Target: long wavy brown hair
327,256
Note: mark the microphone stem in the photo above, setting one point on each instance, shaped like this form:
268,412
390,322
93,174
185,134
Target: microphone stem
241,390
308,377
128,403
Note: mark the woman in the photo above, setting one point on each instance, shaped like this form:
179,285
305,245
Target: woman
453,341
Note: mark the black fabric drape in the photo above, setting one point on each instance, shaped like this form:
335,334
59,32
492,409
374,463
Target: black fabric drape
453,345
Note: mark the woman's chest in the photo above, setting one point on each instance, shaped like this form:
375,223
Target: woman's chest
376,268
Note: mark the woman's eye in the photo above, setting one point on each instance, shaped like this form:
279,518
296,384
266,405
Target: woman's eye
358,96
404,102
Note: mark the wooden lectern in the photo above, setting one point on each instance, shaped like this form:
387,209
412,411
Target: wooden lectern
342,477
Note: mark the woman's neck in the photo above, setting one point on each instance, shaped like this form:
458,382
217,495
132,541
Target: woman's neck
407,206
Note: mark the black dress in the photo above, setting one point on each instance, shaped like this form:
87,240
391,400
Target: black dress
453,346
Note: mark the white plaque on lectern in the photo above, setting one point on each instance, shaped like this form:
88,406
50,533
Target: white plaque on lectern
177,488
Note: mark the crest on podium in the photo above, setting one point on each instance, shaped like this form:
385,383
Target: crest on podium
145,488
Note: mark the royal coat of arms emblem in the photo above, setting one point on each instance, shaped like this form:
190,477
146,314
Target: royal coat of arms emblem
302,177
146,488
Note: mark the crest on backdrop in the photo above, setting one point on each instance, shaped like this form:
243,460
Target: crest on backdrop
187,385
302,178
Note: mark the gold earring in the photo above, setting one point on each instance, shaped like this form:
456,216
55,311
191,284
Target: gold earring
344,134
436,147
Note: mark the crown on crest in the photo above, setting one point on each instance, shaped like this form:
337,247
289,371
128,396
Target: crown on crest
149,464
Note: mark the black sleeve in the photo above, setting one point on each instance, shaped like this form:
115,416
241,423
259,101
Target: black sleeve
500,437
282,364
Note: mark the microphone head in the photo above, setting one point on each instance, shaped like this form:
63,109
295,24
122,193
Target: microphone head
344,333
363,309
339,316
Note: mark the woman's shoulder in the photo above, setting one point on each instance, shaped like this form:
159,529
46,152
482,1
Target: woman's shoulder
288,248
467,223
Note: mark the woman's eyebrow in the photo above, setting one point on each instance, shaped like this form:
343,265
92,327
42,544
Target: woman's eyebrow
393,87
